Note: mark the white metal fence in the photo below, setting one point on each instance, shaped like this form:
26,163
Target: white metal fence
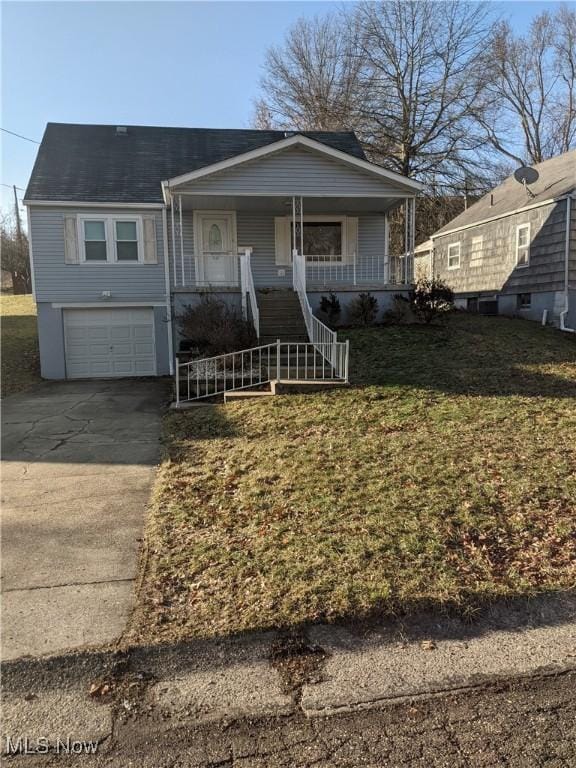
284,362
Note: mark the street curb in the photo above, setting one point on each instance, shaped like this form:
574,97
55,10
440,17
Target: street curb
232,678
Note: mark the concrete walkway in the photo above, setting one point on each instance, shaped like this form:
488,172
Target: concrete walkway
78,461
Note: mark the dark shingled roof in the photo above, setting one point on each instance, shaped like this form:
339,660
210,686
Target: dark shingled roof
557,177
91,163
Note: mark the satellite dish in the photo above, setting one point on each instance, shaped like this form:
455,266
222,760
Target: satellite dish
526,175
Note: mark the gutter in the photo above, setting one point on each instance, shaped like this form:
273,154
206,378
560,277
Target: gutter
168,293
563,326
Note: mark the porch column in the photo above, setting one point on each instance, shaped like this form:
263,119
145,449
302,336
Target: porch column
173,242
181,227
386,249
409,238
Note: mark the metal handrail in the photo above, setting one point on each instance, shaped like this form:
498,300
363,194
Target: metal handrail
282,361
318,333
248,289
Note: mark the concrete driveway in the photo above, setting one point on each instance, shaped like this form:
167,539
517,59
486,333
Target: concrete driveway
78,460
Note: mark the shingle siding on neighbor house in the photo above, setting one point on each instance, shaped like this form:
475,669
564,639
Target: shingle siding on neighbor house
294,171
57,281
498,270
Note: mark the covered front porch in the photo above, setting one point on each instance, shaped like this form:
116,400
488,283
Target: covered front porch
220,242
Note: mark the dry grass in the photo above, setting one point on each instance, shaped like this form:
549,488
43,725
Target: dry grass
444,476
20,363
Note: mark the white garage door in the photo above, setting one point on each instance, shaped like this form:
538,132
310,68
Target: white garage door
109,342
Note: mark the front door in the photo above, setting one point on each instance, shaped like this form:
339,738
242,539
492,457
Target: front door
218,260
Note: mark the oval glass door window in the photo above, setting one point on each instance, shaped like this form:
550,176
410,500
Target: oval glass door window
215,238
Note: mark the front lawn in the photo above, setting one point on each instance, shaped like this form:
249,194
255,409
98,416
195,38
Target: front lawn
445,476
20,366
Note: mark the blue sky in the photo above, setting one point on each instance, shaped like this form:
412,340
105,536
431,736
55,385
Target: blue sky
150,63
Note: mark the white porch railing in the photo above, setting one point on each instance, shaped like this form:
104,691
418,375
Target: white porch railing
319,334
249,301
282,362
373,272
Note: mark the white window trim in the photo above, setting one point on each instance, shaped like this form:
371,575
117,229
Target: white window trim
476,259
526,225
454,245
331,219
110,229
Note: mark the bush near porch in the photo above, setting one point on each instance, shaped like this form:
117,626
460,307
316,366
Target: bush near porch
20,361
444,477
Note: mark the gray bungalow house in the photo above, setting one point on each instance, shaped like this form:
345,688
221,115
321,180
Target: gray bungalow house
128,224
514,251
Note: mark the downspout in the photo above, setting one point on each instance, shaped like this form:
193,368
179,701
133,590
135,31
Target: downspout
168,292
563,326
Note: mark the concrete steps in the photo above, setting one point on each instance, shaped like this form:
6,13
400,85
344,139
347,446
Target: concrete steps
281,317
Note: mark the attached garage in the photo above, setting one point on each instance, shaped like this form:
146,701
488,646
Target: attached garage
109,343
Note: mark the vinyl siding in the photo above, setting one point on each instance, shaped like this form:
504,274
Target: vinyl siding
498,270
57,281
294,172
257,230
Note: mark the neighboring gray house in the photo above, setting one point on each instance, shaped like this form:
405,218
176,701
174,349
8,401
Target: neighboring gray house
514,251
128,224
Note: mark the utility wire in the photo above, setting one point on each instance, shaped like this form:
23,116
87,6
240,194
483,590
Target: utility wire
11,186
19,135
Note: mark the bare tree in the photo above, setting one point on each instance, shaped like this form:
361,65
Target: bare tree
311,82
528,108
399,73
419,57
14,256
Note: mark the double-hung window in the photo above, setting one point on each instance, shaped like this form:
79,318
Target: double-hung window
476,251
523,245
126,240
95,240
454,256
110,240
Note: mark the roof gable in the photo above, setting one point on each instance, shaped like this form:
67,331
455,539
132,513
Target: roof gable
295,147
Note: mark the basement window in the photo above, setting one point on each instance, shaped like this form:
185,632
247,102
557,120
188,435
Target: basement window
524,300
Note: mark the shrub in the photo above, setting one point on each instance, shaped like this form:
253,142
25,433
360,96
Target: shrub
363,309
330,307
401,312
431,298
215,327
